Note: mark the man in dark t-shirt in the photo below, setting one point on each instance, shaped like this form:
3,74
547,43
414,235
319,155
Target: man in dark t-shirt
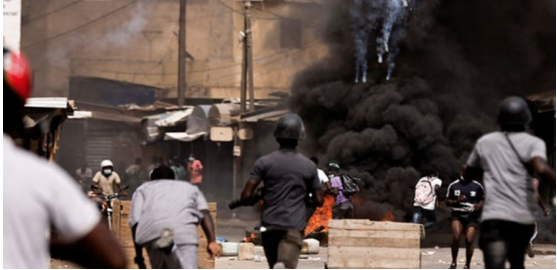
288,179
466,198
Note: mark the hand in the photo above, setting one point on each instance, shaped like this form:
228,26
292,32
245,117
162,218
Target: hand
545,212
214,249
140,262
461,198
124,193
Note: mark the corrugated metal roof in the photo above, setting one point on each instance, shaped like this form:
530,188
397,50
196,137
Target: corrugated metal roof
54,103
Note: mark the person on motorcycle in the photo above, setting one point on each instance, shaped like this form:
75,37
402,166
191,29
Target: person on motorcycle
164,216
45,198
107,178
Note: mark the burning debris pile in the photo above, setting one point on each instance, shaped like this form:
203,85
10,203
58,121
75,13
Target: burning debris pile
456,61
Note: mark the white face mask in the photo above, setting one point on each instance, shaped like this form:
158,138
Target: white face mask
331,176
107,171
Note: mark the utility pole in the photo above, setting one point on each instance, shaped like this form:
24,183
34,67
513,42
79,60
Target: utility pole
247,62
247,4
182,54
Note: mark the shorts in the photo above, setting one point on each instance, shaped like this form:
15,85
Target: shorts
467,220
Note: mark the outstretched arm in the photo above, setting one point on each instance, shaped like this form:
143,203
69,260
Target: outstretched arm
541,167
209,229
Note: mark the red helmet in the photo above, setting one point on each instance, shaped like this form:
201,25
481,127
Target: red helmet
16,74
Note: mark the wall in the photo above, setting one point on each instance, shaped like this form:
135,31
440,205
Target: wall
136,41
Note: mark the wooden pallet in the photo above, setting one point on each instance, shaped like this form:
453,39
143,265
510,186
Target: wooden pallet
365,244
121,228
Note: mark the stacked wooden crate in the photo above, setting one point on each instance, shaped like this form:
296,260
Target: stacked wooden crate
121,228
368,244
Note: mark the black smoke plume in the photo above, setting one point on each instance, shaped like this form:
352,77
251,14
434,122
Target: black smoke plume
456,61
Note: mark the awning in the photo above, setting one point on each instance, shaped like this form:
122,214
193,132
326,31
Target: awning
183,136
263,115
173,118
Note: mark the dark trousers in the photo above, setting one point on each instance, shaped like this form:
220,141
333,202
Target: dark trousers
282,246
502,240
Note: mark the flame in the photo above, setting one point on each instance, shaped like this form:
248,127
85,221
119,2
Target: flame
321,216
389,216
249,239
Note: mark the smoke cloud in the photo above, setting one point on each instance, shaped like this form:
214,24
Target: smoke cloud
456,61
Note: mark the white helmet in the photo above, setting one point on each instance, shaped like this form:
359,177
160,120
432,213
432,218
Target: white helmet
106,163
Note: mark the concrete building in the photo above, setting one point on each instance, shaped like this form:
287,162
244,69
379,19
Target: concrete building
136,41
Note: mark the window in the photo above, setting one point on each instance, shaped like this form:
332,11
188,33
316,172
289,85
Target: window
290,33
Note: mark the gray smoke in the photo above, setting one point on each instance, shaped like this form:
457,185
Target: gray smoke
456,61
366,16
119,36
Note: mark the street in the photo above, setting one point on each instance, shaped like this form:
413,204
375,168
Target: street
432,257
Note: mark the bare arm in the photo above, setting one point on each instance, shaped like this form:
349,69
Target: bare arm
209,229
539,198
545,172
98,249
249,189
478,206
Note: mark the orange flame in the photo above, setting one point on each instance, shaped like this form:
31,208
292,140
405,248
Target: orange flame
389,216
249,239
321,216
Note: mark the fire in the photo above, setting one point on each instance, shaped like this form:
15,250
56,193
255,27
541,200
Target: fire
249,239
389,216
321,216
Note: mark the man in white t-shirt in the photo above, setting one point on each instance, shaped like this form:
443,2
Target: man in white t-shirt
425,199
39,197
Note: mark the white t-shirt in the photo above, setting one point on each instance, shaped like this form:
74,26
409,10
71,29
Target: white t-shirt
322,176
435,182
38,194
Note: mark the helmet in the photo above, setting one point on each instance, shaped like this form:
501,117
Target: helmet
334,167
514,111
106,163
16,74
289,126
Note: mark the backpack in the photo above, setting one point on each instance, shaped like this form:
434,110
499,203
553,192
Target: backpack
349,184
424,192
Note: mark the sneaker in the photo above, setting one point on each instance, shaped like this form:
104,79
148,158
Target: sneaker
453,266
466,267
530,252
279,265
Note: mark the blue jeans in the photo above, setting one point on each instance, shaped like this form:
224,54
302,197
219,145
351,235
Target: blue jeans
419,213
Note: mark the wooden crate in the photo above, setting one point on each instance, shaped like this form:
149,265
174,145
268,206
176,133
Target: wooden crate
355,243
121,228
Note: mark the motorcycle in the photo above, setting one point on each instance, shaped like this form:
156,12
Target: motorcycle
105,202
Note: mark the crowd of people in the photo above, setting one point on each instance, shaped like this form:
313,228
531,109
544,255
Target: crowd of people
165,212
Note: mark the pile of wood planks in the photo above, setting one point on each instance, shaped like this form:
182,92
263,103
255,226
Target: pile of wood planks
121,228
355,243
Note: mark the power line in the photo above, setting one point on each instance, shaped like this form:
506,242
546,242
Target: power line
81,26
54,11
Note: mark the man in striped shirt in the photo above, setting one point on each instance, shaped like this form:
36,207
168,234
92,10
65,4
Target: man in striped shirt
466,197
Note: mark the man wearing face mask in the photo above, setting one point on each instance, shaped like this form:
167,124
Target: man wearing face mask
107,177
